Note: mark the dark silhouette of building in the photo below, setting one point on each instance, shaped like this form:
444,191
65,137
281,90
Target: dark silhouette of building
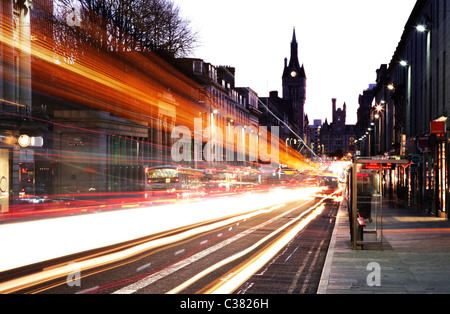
338,138
294,87
287,111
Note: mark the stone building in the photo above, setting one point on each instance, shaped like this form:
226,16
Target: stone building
337,138
411,104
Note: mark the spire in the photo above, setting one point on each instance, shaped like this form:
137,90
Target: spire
294,48
293,64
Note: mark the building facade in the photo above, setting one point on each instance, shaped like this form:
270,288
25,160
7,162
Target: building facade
316,141
411,104
22,148
337,138
85,120
227,107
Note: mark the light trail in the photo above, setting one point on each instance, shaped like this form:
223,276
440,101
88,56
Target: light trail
61,236
159,275
233,279
54,238
128,83
83,265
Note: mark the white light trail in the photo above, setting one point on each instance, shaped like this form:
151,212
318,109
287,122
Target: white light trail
63,270
232,281
36,241
237,278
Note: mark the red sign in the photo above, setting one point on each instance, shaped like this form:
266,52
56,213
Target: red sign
376,166
437,127
372,166
423,141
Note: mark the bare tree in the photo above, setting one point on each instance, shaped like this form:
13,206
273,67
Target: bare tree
164,29
120,25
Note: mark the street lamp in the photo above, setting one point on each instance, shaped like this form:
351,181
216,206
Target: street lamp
24,140
377,116
421,28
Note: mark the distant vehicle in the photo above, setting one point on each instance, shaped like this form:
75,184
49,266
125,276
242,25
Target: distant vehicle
330,184
35,199
166,181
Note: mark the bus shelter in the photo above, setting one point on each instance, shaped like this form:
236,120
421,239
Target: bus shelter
366,197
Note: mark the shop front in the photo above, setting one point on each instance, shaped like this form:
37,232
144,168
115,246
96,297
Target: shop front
438,144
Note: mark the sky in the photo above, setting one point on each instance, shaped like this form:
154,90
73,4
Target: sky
341,43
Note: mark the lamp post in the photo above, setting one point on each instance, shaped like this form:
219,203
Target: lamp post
408,121
378,116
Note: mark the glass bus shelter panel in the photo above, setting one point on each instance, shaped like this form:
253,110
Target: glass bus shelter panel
366,194
368,190
367,204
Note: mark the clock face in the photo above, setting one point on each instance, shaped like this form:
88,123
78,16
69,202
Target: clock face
293,74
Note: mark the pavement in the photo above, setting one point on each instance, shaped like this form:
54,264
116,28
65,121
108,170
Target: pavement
413,256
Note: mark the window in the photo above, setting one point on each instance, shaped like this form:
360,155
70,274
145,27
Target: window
197,67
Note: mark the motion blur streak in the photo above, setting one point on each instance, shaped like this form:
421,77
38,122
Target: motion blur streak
64,270
148,280
62,236
128,83
236,277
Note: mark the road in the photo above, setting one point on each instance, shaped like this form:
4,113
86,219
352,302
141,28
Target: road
279,249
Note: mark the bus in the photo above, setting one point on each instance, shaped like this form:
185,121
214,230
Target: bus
173,181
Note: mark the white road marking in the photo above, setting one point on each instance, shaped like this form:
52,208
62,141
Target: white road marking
179,252
291,254
177,266
87,290
143,267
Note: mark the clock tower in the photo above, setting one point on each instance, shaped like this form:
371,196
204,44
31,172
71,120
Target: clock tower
294,87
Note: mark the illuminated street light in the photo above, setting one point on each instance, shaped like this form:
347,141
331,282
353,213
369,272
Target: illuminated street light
391,86
24,140
421,28
404,63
